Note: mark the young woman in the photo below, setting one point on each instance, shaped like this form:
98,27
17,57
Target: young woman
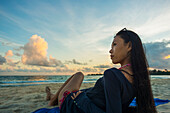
113,92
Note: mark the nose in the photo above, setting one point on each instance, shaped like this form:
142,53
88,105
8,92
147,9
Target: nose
110,51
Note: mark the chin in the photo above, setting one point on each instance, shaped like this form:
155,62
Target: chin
114,62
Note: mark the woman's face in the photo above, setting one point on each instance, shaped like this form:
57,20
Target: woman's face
119,50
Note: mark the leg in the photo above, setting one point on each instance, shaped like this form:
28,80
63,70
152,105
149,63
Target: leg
50,95
74,83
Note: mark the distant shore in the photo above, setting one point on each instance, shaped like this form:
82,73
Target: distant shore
159,73
151,73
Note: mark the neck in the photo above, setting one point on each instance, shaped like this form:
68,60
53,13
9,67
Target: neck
124,66
124,63
128,67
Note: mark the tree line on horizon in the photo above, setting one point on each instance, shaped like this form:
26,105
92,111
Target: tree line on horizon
151,72
159,72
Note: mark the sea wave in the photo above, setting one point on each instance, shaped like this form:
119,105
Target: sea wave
18,81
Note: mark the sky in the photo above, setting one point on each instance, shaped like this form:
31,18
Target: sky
53,37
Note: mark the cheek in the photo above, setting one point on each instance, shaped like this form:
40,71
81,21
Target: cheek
116,54
116,51
119,53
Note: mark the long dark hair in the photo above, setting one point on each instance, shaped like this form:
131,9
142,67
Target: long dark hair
144,97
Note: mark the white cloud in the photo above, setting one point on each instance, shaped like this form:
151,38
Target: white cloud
75,62
35,53
55,62
9,60
88,69
155,25
8,53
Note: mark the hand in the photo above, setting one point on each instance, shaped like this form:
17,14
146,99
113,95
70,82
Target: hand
74,96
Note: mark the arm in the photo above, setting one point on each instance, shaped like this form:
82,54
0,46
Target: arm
84,90
112,89
86,105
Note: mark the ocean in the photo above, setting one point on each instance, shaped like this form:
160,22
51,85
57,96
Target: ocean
19,81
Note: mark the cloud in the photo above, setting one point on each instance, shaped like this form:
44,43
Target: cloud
102,66
8,53
91,70
6,42
19,48
17,54
65,70
11,68
88,69
90,60
11,63
75,62
167,57
55,62
35,53
155,25
19,69
8,60
156,53
2,60
8,69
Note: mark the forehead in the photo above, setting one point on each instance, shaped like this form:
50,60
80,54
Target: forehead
118,39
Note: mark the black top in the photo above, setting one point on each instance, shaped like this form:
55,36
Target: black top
112,93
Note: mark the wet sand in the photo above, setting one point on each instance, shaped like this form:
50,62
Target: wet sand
30,98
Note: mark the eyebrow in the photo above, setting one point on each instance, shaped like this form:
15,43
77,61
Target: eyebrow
114,41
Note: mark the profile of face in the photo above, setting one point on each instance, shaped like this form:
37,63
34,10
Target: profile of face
119,50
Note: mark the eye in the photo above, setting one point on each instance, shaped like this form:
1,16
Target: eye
114,44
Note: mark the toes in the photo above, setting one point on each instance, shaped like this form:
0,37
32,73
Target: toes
47,98
47,89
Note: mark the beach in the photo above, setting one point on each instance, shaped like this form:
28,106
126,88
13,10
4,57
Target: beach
30,98
27,99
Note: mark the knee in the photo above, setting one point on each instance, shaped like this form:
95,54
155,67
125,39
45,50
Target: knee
80,74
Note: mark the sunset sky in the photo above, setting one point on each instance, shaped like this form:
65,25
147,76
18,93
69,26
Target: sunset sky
54,37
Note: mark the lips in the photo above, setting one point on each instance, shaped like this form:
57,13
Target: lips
111,56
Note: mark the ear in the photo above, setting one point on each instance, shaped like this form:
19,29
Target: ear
129,46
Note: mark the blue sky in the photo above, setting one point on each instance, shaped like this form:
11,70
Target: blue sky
76,35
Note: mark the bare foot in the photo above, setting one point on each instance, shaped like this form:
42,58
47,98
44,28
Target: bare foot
49,94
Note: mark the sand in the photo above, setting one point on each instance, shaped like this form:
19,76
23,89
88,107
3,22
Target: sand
30,98
27,99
